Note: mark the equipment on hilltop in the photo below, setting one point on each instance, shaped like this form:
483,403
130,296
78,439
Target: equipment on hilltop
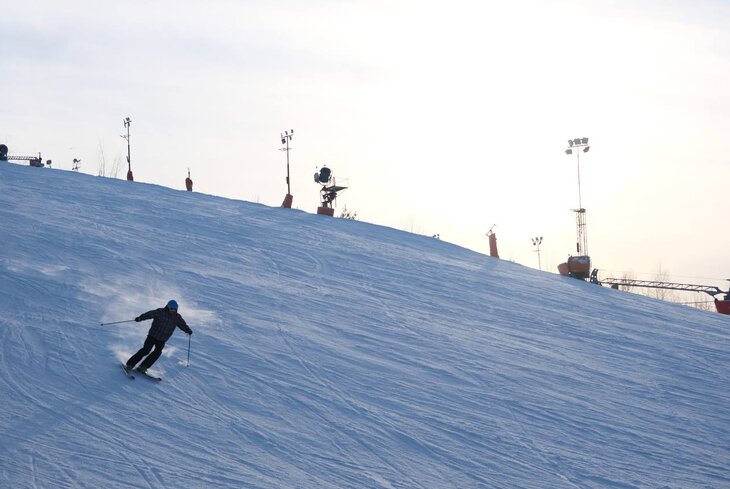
328,192
127,123
285,138
189,182
722,305
578,266
493,242
36,161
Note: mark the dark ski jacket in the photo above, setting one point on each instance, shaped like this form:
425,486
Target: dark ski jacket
163,323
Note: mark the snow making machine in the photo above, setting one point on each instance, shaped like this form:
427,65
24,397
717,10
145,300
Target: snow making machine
576,267
328,191
36,161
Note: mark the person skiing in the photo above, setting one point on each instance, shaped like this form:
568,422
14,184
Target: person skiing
164,321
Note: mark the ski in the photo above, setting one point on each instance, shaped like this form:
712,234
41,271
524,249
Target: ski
151,377
127,372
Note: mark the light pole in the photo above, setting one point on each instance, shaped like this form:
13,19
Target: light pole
579,144
537,242
127,123
285,138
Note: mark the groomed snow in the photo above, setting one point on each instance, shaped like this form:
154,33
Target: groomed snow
330,353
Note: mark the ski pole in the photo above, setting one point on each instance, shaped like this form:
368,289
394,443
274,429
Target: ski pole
117,322
190,337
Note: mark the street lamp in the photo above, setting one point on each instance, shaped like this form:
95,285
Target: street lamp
579,145
285,138
537,242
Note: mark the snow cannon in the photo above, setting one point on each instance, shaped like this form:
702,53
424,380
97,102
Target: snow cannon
323,176
328,192
723,307
576,267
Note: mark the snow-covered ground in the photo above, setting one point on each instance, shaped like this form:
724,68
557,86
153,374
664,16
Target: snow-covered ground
330,353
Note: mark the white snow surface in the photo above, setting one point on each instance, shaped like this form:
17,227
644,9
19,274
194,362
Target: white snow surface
330,353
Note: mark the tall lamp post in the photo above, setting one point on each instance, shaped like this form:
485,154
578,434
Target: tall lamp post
285,138
537,242
127,123
579,145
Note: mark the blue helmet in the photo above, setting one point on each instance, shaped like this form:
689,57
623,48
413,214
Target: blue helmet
172,305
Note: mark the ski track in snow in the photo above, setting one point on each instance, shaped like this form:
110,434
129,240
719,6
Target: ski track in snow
330,353
321,271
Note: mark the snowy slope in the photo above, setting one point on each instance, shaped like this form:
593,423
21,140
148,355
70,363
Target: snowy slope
329,353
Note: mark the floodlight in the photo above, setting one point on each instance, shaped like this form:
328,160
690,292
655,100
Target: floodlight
585,140
568,151
570,142
585,150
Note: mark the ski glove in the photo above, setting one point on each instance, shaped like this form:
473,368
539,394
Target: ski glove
137,319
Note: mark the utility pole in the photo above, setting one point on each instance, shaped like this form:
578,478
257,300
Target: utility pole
285,138
127,123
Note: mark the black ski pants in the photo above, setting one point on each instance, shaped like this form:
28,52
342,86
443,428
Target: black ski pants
149,343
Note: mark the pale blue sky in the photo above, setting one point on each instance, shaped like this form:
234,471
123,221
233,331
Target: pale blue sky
445,117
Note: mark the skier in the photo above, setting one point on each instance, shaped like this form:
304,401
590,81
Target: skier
164,321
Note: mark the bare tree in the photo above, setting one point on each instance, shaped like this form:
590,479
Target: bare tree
411,224
698,300
702,301
101,168
628,276
116,166
662,294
